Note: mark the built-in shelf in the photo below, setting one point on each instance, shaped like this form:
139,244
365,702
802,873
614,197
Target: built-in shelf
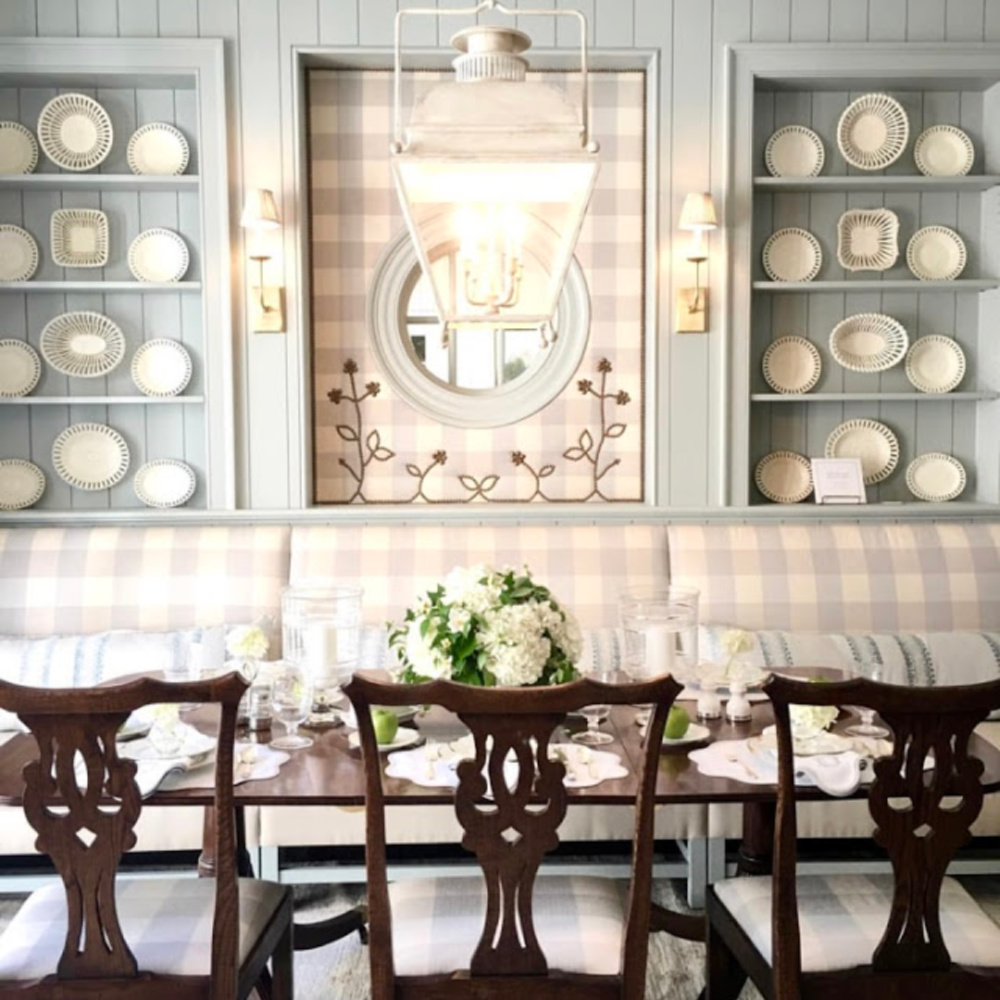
68,287
882,183
99,182
100,400
874,397
889,285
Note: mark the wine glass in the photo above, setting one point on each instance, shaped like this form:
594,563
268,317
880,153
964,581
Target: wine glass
867,726
595,714
291,699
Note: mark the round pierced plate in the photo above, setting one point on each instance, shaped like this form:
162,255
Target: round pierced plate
867,239
90,456
943,151
792,365
20,368
21,484
784,477
873,132
871,442
83,344
936,253
935,477
18,254
158,255
792,255
868,342
794,151
18,149
164,482
75,132
161,367
935,364
157,148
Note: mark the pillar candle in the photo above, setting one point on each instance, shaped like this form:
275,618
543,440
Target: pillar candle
659,650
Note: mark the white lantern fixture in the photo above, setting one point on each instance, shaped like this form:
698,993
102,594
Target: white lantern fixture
494,174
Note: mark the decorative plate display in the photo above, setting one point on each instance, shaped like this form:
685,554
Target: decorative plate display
18,254
935,477
794,151
79,237
90,456
943,151
83,344
75,132
18,149
164,482
157,148
21,484
936,253
784,477
161,367
792,255
159,255
868,342
873,132
20,368
871,442
867,239
792,365
935,364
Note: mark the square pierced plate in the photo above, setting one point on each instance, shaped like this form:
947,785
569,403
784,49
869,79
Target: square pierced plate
79,237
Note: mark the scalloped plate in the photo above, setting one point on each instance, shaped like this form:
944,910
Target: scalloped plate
935,364
161,367
873,132
792,254
75,132
784,477
792,365
18,149
943,151
935,477
794,151
18,254
90,456
159,149
936,253
165,482
158,255
20,368
868,440
22,484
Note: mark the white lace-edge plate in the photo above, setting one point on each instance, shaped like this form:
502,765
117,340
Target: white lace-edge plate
873,132
868,440
936,253
83,344
18,254
935,477
21,484
79,237
935,364
161,367
784,477
792,365
18,149
868,342
164,482
75,132
20,368
792,255
157,148
943,151
90,456
158,255
868,239
794,151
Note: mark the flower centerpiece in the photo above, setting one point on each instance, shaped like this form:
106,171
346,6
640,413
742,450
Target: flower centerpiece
490,628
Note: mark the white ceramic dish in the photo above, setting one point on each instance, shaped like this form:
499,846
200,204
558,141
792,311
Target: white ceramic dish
792,255
18,149
794,151
21,484
871,442
20,368
161,367
868,239
405,737
784,477
18,254
75,132
164,483
873,132
936,253
935,477
157,148
792,365
83,344
868,342
935,364
404,712
79,237
90,456
811,746
158,255
943,151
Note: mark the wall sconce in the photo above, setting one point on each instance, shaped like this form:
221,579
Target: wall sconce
260,215
697,217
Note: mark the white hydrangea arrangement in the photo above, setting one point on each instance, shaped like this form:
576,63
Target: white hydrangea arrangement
247,642
810,720
490,628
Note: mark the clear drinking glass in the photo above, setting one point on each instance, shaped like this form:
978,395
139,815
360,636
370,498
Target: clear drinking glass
595,714
867,726
291,699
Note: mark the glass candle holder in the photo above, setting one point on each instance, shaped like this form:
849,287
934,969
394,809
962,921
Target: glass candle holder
661,630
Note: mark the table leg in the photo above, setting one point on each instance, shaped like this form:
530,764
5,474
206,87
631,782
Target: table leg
757,845
206,860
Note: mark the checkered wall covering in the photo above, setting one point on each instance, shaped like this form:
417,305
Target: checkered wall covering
354,215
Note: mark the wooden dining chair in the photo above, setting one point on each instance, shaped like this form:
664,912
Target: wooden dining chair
152,939
911,934
484,937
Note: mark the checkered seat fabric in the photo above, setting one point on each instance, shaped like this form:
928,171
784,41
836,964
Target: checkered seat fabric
167,924
436,923
842,919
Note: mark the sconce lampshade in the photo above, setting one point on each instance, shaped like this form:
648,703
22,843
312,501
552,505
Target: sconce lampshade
698,212
259,210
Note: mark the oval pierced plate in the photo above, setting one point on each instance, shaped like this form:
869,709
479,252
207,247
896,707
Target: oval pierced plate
871,442
792,255
935,364
83,344
18,149
164,482
20,368
90,456
868,342
157,148
943,151
868,239
21,484
792,365
784,477
75,132
794,151
935,477
158,255
79,237
161,367
936,253
873,131
18,254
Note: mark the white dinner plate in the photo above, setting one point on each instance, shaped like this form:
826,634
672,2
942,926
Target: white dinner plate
822,743
404,713
405,737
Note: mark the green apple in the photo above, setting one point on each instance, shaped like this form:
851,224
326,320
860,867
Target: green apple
385,722
678,721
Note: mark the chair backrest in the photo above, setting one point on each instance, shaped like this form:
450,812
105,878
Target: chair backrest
922,815
521,721
86,827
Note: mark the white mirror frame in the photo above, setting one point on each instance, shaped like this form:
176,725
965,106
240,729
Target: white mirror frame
470,408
